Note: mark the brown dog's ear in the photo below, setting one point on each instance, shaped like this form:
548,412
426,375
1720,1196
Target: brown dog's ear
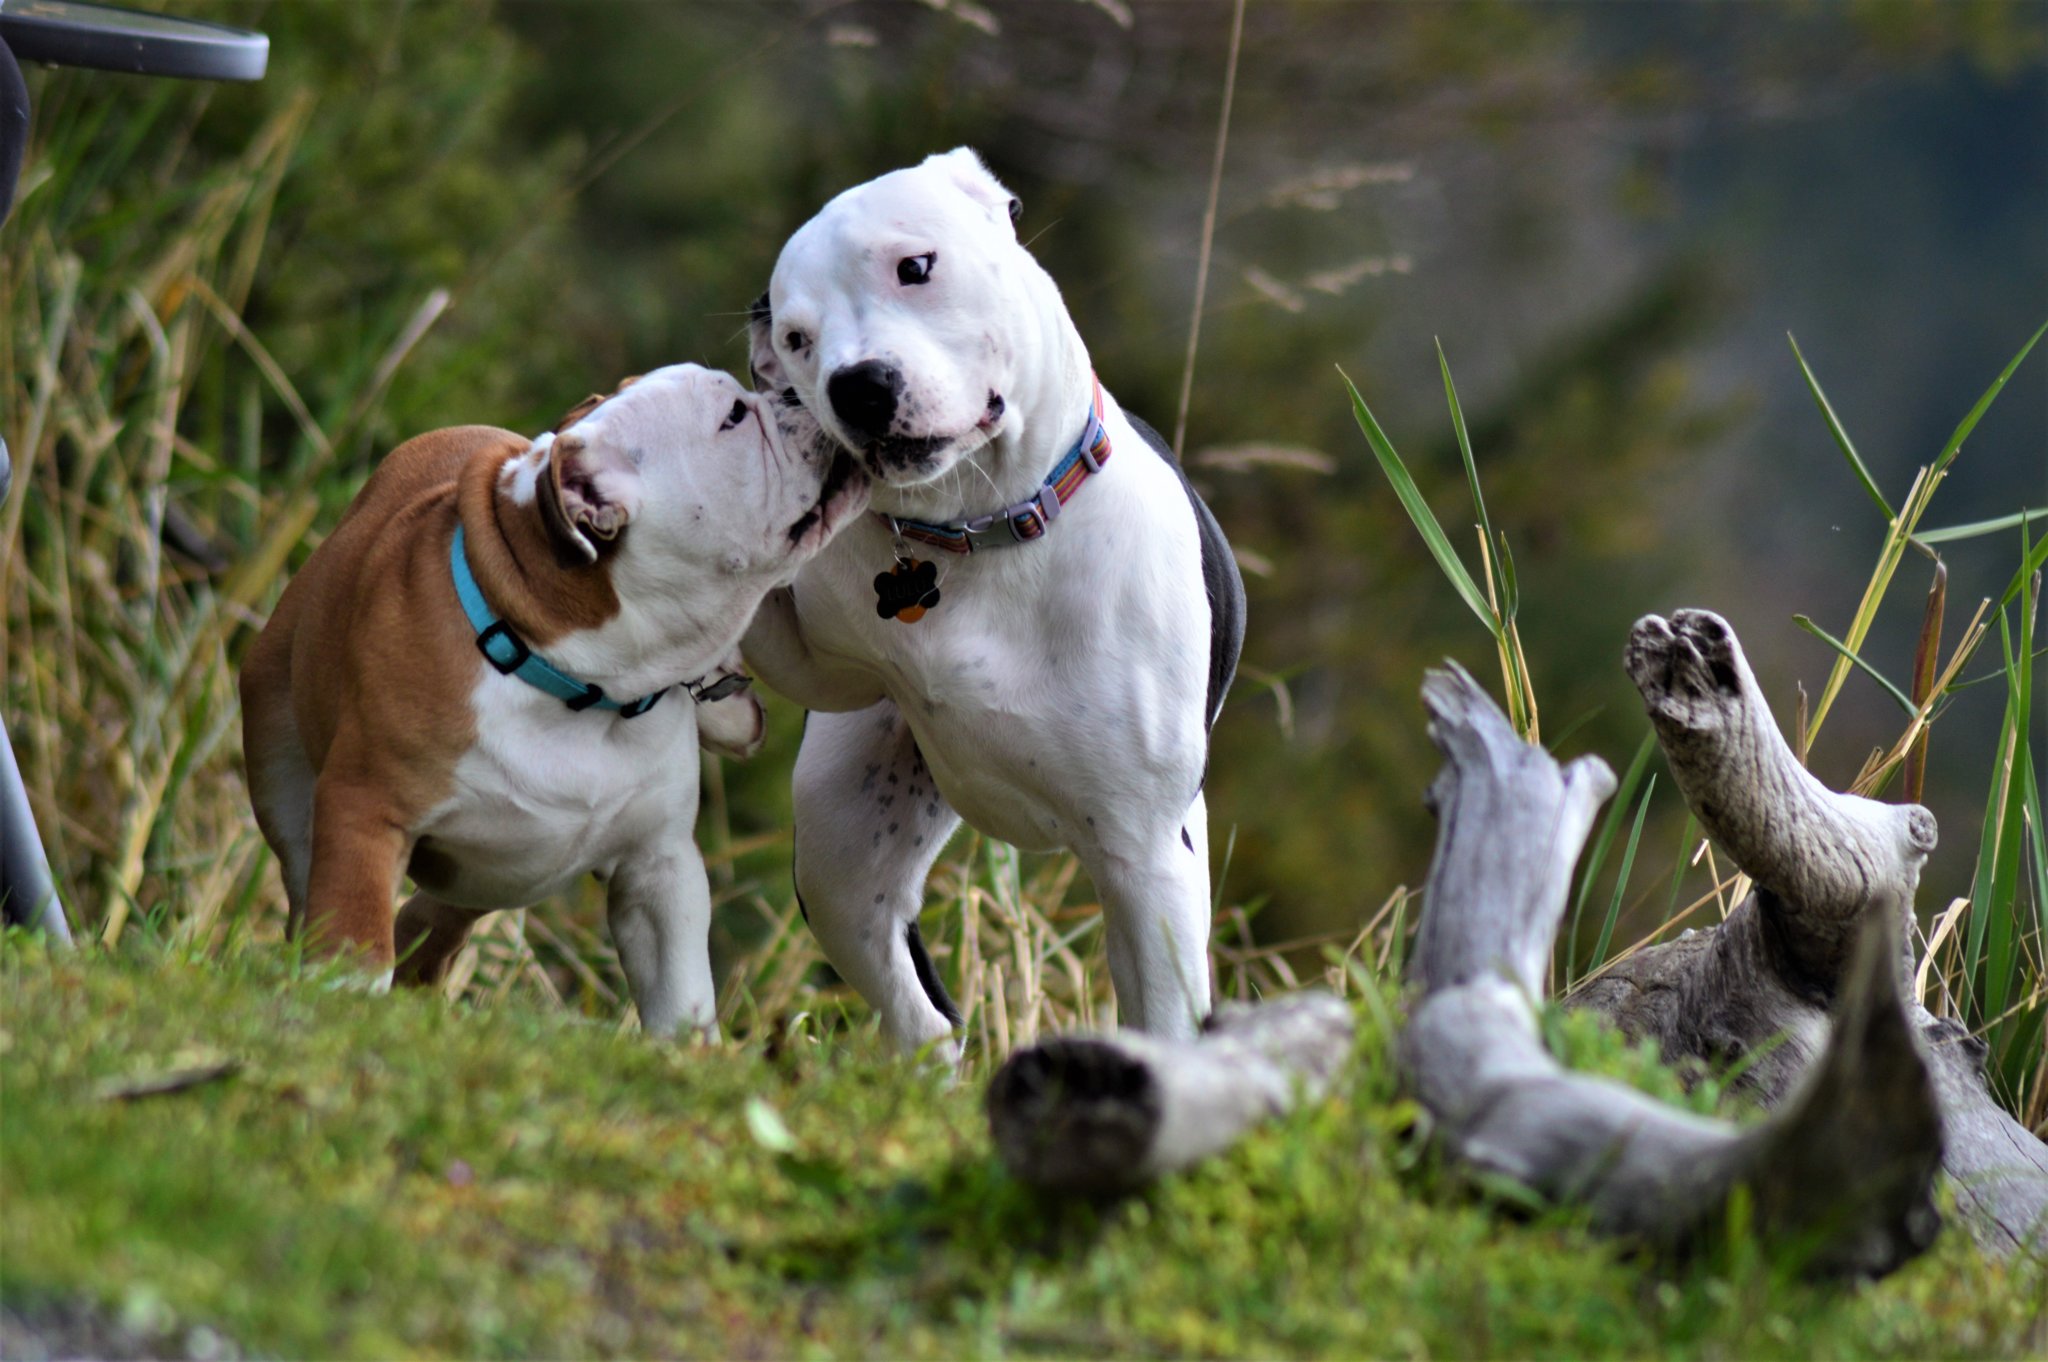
578,412
592,403
588,495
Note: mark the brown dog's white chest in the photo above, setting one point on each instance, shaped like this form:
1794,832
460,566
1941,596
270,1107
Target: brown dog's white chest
546,796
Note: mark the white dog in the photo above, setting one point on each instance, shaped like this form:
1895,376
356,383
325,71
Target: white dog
490,676
1035,629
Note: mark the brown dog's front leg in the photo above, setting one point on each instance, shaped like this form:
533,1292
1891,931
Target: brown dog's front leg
359,851
430,934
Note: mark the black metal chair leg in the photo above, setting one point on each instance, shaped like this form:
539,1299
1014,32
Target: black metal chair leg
27,896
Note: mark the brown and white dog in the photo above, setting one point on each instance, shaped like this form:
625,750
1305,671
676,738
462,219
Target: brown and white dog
386,735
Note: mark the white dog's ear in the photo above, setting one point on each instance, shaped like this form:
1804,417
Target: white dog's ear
762,363
588,494
964,167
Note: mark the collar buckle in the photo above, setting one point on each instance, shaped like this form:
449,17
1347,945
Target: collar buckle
501,632
1048,505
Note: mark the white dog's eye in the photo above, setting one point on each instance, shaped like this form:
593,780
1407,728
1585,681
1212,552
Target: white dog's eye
793,339
916,269
736,415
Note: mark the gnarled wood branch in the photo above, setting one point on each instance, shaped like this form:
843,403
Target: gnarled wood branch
1101,1114
1844,1169
1769,973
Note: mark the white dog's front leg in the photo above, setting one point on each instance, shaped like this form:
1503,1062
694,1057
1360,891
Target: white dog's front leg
869,823
1155,906
776,652
659,907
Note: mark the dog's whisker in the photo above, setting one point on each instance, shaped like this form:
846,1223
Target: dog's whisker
971,462
1033,241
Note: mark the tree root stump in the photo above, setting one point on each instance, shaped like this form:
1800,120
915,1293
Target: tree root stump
1104,1114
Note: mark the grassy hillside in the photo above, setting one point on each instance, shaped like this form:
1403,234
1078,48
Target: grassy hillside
401,1176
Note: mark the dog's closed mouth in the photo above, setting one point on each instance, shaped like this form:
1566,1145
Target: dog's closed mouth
904,451
842,477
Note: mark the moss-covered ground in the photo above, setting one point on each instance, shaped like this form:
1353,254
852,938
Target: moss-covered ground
396,1176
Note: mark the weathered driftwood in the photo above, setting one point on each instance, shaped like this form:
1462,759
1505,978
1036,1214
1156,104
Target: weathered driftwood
1843,1170
1101,1114
1771,973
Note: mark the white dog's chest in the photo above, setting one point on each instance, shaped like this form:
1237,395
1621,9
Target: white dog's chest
1018,692
547,796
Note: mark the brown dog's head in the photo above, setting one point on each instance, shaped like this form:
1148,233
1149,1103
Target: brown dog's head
683,471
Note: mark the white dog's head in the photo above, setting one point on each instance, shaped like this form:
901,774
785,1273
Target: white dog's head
902,320
683,474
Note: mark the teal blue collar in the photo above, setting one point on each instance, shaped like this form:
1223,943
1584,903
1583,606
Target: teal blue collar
508,652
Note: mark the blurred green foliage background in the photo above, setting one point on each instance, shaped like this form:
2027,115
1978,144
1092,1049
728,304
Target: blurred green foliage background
1609,212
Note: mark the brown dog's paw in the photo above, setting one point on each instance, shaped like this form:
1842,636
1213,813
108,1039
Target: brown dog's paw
732,727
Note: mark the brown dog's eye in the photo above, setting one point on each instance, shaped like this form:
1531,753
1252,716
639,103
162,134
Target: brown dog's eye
916,269
736,415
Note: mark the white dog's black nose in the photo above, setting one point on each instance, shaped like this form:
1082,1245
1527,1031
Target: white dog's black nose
863,396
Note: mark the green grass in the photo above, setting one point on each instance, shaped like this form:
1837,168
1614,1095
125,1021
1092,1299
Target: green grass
403,1176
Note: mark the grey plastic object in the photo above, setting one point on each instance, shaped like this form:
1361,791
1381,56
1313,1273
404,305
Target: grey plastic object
108,38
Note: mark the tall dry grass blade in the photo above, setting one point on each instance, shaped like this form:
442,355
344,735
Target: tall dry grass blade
282,385
1926,657
1925,482
1944,930
1974,634
414,331
1187,372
